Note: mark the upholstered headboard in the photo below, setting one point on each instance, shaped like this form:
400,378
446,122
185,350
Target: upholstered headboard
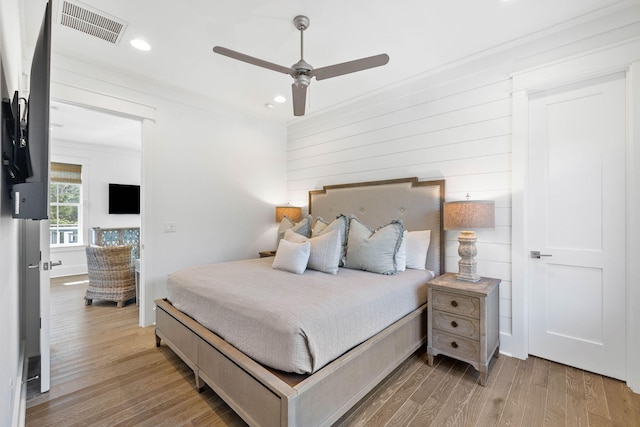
417,203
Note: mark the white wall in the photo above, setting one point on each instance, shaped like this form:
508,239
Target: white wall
453,123
11,67
101,165
215,172
460,131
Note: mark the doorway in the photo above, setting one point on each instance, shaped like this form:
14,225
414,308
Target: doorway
621,59
90,149
577,225
145,114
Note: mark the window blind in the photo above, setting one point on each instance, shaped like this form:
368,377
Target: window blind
65,172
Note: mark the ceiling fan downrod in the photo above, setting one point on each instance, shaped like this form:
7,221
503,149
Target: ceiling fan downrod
302,67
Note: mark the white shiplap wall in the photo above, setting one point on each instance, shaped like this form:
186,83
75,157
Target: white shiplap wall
459,131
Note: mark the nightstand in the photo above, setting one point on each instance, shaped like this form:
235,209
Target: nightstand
462,321
266,254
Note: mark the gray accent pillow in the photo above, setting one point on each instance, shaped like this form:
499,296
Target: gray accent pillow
303,227
373,251
341,223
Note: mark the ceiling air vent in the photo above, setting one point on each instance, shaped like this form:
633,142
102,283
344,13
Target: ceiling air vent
91,21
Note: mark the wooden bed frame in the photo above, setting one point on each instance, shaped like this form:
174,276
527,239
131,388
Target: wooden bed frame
266,397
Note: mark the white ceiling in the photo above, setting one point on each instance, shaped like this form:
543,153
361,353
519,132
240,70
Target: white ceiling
419,36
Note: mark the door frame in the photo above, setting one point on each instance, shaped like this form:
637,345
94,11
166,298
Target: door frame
621,57
146,114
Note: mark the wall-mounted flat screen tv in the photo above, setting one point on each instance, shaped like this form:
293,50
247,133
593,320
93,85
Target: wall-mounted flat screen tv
30,191
124,199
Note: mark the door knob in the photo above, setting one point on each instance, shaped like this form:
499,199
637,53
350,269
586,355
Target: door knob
537,254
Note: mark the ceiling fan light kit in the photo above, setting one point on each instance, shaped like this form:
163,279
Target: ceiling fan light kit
302,71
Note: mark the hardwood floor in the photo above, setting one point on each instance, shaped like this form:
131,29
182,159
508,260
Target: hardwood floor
105,370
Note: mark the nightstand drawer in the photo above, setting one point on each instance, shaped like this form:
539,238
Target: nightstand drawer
457,304
456,346
463,326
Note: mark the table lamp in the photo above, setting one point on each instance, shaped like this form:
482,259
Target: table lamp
465,216
294,213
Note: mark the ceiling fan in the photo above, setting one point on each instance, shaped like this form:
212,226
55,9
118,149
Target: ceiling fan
302,71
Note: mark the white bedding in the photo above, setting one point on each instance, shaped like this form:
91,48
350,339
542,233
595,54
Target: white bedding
294,323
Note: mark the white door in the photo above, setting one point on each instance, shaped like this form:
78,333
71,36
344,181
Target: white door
35,237
577,214
45,290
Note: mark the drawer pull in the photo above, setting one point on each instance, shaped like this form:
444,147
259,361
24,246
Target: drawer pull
454,324
454,344
454,303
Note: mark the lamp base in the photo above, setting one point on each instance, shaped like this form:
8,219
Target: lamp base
467,251
468,277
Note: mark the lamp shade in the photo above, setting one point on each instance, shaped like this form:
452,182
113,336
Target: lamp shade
469,214
294,213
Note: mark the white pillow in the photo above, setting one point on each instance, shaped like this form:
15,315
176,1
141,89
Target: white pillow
401,256
325,250
417,248
292,257
373,251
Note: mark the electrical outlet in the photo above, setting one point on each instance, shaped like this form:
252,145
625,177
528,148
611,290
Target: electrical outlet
169,226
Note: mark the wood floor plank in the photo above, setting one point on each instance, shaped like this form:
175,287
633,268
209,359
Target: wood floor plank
597,405
458,398
404,414
430,383
383,392
537,394
624,405
515,405
386,412
556,407
438,399
576,398
494,405
479,395
598,421
107,371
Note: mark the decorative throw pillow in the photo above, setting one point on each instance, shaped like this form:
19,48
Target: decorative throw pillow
417,248
401,255
341,224
325,250
292,257
373,251
303,227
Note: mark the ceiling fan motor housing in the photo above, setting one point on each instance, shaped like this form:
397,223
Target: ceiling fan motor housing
302,80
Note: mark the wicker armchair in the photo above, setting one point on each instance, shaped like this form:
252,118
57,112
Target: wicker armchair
111,274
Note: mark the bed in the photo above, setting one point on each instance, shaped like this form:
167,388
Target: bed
265,396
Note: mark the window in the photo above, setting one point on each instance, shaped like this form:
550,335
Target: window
65,204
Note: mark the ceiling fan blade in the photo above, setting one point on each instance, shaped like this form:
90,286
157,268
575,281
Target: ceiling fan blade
350,67
251,60
299,99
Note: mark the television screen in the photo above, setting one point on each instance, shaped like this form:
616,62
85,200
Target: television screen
31,196
124,199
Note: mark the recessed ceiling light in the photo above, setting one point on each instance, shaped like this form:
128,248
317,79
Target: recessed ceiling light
269,106
140,44
280,99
